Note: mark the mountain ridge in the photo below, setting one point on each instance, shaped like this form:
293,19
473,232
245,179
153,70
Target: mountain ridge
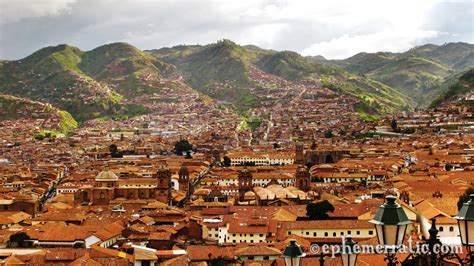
104,81
418,72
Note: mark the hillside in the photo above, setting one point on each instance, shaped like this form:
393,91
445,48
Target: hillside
375,97
118,80
52,75
92,84
411,75
221,70
123,66
418,73
458,86
458,56
53,119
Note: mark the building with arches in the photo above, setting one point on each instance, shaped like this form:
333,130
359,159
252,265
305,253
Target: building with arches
107,187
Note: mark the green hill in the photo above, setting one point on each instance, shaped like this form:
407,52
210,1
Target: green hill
411,75
362,63
107,80
457,86
376,98
52,75
12,108
418,73
221,71
458,56
131,71
88,84
292,66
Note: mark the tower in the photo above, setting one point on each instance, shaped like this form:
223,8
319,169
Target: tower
299,153
183,180
245,182
302,179
163,185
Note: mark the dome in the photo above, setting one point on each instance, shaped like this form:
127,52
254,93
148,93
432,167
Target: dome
249,195
106,176
302,169
215,193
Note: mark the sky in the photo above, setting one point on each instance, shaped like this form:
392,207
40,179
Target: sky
332,28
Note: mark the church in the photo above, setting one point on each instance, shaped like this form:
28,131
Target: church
107,187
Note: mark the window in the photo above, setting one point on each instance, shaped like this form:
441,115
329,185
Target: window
261,235
358,232
251,234
371,232
326,234
314,234
266,257
342,233
441,229
251,241
451,229
334,234
289,233
233,234
250,257
233,241
349,232
307,233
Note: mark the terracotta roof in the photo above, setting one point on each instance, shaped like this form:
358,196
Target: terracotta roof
258,250
85,260
204,253
13,260
143,254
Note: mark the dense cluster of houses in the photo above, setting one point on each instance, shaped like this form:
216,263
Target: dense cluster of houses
115,192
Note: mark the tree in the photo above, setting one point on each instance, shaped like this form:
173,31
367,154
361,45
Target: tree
276,146
394,125
227,162
19,240
319,211
448,167
182,146
328,134
114,152
188,155
465,197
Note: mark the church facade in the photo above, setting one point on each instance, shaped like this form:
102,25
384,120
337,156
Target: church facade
108,187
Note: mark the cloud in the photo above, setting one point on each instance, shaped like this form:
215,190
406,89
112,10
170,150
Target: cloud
13,11
334,29
385,41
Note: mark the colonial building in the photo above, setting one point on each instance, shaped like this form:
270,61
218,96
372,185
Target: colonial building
108,187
